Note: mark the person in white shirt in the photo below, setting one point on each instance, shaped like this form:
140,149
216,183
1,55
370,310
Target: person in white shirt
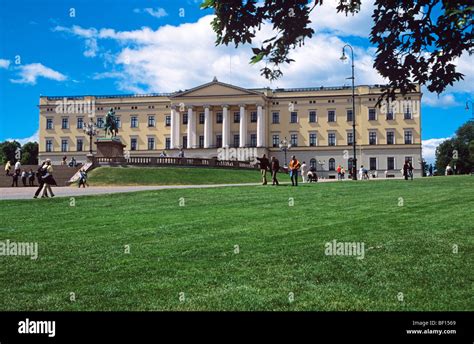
18,166
304,172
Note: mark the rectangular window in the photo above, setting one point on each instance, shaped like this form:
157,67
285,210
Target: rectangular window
331,139
167,143
168,121
372,138
253,140
201,118
219,117
65,123
49,145
118,121
372,115
373,164
236,117
294,117
408,137
389,115
390,138
100,122
350,117
218,140
133,144
201,141
151,121
134,122
312,116
49,123
79,145
276,140
253,117
312,139
275,117
80,122
390,163
185,118
407,112
294,140
350,138
64,145
185,141
151,143
236,140
331,116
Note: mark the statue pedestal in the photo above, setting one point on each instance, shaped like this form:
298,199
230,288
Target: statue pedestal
110,148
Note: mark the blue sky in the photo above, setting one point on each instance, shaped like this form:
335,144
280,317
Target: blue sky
99,47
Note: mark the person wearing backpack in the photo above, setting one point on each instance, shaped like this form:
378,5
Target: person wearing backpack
39,175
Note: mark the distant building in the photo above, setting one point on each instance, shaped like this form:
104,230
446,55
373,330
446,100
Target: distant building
317,122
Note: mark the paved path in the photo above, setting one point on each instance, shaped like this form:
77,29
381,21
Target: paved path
28,192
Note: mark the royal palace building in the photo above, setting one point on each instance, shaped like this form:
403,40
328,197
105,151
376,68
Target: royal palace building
315,122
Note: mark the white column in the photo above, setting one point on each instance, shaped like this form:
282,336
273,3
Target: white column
207,127
173,128
260,127
243,126
225,127
191,128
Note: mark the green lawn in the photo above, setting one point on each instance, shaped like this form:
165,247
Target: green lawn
190,249
171,176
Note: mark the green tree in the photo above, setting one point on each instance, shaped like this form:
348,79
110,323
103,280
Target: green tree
8,151
457,151
29,155
416,40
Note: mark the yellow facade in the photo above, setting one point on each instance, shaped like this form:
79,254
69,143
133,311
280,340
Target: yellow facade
320,137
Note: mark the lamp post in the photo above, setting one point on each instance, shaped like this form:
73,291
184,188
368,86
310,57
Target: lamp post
91,130
422,162
284,147
322,163
472,108
354,159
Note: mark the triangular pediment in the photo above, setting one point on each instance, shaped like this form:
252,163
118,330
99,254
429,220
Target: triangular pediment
216,88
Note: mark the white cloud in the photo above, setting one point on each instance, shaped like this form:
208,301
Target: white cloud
4,63
89,35
429,148
441,101
157,13
31,72
32,138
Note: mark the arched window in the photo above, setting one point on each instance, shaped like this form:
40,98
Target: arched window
332,164
312,163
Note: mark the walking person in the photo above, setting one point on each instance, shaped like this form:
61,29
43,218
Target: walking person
275,169
343,172
48,180
8,167
15,177
294,167
304,172
18,166
83,178
31,177
338,170
405,170
264,165
24,175
410,170
39,175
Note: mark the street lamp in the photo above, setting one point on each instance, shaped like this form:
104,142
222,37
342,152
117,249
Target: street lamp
91,130
422,162
285,146
354,159
472,108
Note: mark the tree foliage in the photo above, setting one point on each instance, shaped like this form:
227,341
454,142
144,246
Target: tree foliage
458,152
28,153
416,40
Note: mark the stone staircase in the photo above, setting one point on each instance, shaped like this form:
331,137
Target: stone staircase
62,175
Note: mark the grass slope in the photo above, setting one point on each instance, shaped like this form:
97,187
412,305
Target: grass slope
171,176
190,249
